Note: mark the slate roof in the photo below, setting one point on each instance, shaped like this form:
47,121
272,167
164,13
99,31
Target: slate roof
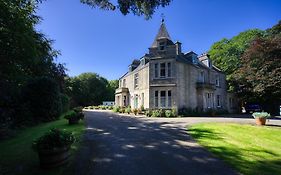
162,33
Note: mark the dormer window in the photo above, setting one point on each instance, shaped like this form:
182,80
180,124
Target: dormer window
161,45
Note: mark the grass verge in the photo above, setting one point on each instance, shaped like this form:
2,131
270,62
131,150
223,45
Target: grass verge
17,156
249,149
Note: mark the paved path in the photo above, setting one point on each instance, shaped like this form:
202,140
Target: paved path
119,145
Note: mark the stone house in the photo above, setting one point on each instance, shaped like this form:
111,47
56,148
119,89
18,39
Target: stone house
167,78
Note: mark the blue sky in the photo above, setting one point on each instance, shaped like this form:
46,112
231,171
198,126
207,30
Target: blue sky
105,42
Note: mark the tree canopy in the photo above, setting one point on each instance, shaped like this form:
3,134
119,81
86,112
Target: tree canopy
259,76
137,7
226,53
25,56
252,63
90,89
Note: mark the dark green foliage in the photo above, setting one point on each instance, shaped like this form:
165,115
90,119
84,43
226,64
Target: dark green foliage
74,115
116,109
137,7
90,89
148,113
43,99
78,109
190,112
128,110
26,55
259,77
65,101
226,54
55,138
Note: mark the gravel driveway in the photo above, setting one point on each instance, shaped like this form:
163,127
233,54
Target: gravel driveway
115,144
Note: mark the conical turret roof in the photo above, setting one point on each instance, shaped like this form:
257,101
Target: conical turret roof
162,33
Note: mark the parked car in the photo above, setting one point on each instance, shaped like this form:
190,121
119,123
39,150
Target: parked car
251,108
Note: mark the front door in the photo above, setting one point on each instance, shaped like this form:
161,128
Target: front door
136,102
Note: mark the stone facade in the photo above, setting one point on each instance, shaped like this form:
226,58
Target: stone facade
167,78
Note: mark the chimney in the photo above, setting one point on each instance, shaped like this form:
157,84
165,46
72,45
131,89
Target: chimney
178,48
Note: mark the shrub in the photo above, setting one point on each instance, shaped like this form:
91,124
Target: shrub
43,98
110,107
156,113
102,107
116,109
135,111
122,110
128,110
72,115
168,113
261,115
78,109
188,112
142,108
55,138
65,101
174,112
148,113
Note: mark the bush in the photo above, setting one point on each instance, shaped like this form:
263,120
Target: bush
102,107
110,107
116,109
174,112
65,101
55,138
156,113
142,108
168,113
135,111
43,98
148,113
78,109
128,110
74,115
122,110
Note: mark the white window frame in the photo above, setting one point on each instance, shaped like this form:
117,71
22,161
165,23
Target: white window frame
136,80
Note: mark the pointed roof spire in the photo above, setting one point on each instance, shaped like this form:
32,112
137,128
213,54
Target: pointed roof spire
162,33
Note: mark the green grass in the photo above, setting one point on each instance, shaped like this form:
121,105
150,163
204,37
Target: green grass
249,149
17,156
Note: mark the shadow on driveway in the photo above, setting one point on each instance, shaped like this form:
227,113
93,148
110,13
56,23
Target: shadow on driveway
115,144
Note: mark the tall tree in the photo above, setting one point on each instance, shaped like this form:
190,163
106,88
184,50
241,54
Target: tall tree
26,54
137,7
259,76
226,54
88,89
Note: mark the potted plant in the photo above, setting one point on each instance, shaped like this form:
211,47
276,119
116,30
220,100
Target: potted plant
135,111
53,147
261,117
74,117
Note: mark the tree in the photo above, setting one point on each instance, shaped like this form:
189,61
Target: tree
259,76
226,54
88,89
26,54
137,7
112,86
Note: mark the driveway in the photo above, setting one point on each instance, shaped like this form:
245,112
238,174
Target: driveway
115,144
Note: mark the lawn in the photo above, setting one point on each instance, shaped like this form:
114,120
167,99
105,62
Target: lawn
17,156
249,149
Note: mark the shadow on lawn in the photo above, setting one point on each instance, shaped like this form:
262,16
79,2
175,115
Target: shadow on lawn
236,156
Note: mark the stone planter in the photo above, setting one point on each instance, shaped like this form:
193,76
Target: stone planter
260,121
53,158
